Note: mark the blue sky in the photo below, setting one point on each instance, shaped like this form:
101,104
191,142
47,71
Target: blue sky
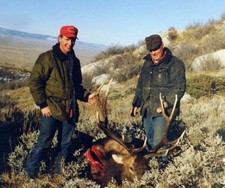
109,22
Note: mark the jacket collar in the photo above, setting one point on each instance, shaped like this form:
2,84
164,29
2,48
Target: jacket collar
59,54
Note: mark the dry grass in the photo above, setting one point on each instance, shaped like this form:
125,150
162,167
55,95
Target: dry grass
21,97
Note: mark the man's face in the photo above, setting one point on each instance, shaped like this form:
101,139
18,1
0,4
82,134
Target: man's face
66,44
157,54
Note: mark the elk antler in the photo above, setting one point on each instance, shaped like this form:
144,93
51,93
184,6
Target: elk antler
102,121
101,104
164,146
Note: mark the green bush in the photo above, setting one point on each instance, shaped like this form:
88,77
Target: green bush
115,50
204,85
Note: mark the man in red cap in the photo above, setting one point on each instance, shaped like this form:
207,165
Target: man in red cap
56,85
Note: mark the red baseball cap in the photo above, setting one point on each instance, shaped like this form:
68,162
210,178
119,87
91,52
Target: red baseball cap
69,31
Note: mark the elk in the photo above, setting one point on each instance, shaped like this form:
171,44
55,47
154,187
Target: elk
112,158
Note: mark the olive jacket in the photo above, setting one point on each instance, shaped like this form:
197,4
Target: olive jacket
50,84
166,77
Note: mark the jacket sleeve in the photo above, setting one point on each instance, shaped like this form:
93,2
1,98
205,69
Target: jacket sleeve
37,81
178,82
137,101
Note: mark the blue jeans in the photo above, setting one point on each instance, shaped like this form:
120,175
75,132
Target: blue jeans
154,127
48,128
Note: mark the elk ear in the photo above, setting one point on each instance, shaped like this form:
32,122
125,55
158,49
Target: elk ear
117,158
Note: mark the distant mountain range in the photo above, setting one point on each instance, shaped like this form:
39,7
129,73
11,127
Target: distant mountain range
22,48
15,33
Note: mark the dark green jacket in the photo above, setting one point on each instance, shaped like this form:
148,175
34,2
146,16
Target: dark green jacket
166,77
49,83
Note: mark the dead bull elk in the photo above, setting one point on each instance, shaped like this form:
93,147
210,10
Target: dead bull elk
111,158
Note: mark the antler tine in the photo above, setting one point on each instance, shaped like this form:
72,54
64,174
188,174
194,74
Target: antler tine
164,151
163,109
138,150
100,87
160,153
174,143
101,103
109,85
174,107
104,102
162,106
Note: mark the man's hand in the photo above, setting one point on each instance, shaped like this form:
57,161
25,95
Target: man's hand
134,111
46,112
92,98
159,109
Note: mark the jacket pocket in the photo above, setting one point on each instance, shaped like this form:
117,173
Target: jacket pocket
58,109
162,76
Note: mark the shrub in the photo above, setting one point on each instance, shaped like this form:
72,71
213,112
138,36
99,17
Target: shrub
211,64
214,42
172,34
12,79
6,101
115,50
203,85
128,67
199,30
13,123
187,52
120,67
